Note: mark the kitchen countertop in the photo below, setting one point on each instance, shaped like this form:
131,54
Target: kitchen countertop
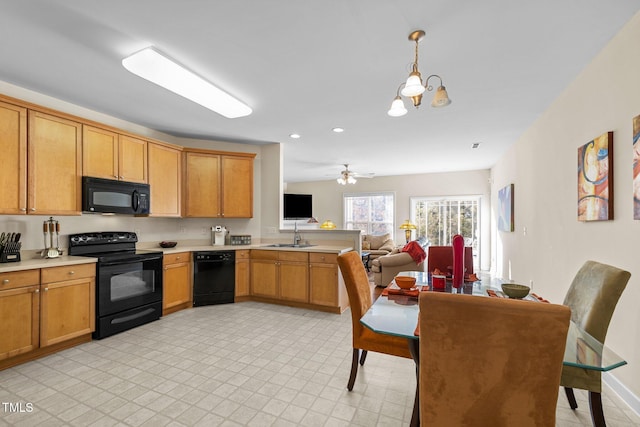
261,246
33,263
29,264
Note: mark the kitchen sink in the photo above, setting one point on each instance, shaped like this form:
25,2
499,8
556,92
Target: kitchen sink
288,245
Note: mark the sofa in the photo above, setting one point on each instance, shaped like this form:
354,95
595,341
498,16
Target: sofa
377,245
386,267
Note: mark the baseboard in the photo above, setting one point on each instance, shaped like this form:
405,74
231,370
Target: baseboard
621,390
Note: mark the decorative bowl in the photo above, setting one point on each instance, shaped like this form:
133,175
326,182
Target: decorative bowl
513,290
405,282
165,244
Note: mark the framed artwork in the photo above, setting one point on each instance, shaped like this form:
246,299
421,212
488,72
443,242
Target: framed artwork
636,167
595,179
505,202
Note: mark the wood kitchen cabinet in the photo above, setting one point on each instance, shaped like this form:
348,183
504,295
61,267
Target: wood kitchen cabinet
165,179
294,276
237,186
326,286
13,146
54,165
218,184
243,275
110,155
281,275
264,273
177,289
19,312
67,303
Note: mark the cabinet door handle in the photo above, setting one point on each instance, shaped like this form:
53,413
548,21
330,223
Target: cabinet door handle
177,258
23,209
46,289
36,291
32,209
71,273
5,281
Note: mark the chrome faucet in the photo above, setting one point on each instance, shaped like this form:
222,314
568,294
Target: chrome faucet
297,238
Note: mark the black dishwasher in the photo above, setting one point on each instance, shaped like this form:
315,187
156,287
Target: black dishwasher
214,277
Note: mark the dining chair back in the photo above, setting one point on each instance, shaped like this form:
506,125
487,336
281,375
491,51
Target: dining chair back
489,361
364,339
592,297
441,257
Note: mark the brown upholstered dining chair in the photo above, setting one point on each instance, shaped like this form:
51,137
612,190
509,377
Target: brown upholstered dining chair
592,297
489,361
359,291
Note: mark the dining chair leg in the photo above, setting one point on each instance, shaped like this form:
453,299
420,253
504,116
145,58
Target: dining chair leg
354,369
363,356
571,397
595,403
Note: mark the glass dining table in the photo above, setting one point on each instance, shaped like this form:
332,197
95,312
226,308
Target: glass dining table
397,315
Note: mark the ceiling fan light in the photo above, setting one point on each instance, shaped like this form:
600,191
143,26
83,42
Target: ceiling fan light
351,180
441,98
413,86
341,181
397,108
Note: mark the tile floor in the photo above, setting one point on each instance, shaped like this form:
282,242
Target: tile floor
229,365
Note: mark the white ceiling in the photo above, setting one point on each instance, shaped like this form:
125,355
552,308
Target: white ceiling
306,67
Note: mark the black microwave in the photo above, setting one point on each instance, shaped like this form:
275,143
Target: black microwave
111,196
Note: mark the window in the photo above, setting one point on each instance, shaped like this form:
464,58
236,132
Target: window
370,212
439,219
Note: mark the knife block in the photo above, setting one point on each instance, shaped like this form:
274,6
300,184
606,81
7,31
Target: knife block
10,252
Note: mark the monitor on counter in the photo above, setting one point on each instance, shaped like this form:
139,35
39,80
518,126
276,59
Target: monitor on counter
297,206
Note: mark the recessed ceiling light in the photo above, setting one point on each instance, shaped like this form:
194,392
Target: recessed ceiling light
294,136
157,68
337,130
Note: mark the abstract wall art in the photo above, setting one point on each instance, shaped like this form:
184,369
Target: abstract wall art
505,206
595,179
636,167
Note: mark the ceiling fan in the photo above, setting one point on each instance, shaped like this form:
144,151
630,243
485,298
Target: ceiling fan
349,177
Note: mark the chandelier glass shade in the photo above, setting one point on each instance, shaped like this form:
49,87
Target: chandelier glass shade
414,88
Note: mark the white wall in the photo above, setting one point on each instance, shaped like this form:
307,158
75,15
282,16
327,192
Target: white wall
543,166
327,197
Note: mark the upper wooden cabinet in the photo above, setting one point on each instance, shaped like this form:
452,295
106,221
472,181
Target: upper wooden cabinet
54,165
110,155
237,187
218,184
13,146
165,178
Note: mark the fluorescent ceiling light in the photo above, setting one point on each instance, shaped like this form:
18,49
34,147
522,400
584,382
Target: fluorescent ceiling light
157,68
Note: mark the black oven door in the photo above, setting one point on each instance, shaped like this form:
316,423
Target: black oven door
126,284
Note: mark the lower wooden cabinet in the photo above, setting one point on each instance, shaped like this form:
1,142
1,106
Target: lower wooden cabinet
45,310
19,312
302,279
243,274
67,306
176,278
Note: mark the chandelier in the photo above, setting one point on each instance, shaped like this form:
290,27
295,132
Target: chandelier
413,87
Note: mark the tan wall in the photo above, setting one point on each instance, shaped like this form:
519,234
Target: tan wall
542,164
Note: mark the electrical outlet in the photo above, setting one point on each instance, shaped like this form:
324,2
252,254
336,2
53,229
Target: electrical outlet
203,230
183,230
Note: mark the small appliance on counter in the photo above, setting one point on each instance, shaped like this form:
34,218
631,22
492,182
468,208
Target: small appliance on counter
10,247
219,235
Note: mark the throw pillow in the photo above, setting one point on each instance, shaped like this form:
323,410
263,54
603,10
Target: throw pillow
366,245
378,241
